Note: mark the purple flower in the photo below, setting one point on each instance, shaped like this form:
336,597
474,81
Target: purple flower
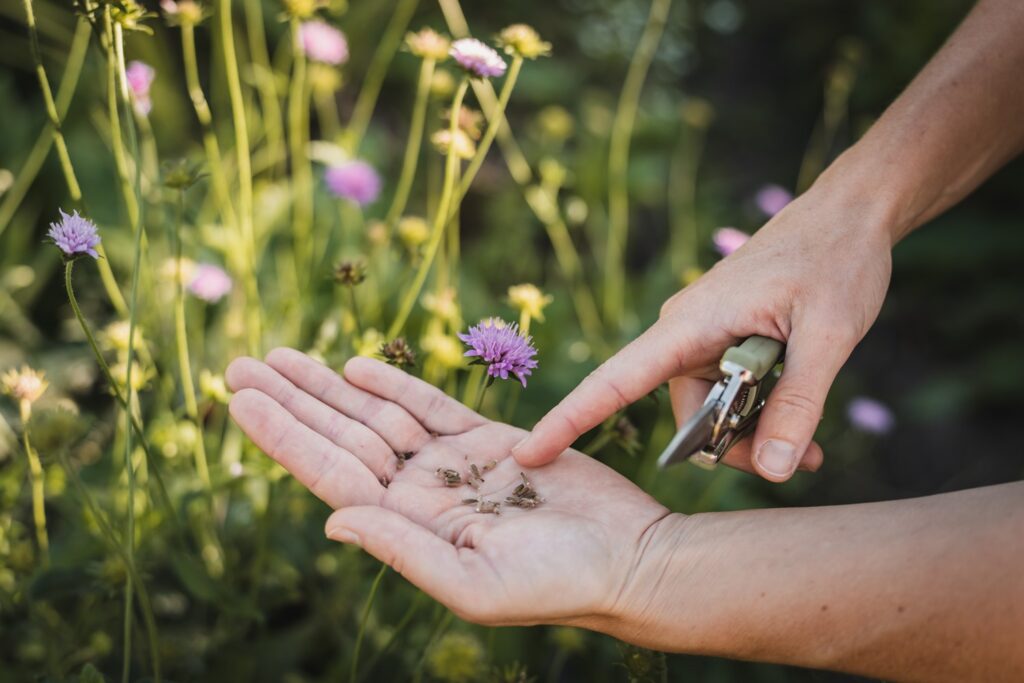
140,77
869,415
476,58
500,346
771,199
728,240
323,43
209,283
355,181
74,235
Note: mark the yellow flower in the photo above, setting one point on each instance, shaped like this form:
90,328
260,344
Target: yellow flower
555,122
523,41
303,9
428,44
324,78
457,658
691,275
369,344
442,84
442,305
213,386
444,349
115,336
169,269
465,148
25,385
413,231
529,299
140,375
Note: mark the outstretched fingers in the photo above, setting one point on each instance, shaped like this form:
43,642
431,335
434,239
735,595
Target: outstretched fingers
333,474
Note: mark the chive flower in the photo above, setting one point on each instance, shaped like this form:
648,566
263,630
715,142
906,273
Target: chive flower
74,235
728,240
323,43
477,59
210,283
355,181
499,345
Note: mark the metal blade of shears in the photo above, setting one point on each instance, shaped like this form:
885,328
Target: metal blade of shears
692,436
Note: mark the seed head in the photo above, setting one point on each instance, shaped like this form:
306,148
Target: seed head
397,352
350,273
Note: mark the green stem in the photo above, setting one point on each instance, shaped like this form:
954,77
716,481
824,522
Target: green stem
355,309
618,162
412,145
51,107
440,219
302,172
494,122
227,34
362,622
684,238
273,122
414,607
184,361
35,469
370,90
210,145
327,113
439,628
485,382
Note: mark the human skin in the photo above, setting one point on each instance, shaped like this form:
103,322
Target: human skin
928,589
815,275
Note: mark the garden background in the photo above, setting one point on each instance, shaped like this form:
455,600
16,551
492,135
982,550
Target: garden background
739,96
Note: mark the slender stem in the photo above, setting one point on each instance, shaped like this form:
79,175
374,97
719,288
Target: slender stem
485,382
412,145
227,33
618,162
65,90
414,606
302,172
362,622
184,361
494,122
355,309
440,220
273,122
684,238
327,113
51,107
202,109
439,628
35,469
370,90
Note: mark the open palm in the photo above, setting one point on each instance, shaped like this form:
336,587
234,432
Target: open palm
568,560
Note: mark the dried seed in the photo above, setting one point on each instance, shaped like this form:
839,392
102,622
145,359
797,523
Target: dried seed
490,465
470,501
450,477
488,507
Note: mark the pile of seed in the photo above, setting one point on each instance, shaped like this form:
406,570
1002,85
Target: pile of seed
524,496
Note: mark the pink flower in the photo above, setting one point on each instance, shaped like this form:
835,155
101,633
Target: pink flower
728,240
477,59
355,181
323,43
140,77
771,199
871,416
210,283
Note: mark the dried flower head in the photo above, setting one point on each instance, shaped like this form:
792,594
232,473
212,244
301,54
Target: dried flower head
477,59
210,283
24,385
500,347
74,236
523,41
350,273
183,12
397,352
728,240
626,435
465,148
323,43
528,299
413,231
428,44
470,121
356,181
772,199
180,174
139,76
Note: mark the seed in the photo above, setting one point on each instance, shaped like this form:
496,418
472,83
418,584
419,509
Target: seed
490,465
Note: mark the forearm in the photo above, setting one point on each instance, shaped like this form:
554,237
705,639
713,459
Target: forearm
959,120
923,589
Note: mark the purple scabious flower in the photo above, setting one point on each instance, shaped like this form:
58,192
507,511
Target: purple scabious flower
140,77
476,58
499,345
74,235
355,181
871,416
771,199
210,283
323,43
728,240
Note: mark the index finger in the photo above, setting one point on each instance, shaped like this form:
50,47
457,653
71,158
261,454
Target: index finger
652,358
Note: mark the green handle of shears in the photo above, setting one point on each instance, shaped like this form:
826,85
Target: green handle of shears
757,354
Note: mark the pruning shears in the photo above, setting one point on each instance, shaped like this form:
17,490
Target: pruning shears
732,407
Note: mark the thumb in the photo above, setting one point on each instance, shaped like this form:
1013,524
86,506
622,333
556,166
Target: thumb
794,407
649,360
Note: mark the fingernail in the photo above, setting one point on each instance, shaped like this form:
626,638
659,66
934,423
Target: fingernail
343,535
778,458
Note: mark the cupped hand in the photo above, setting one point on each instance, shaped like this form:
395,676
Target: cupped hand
813,277
570,560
